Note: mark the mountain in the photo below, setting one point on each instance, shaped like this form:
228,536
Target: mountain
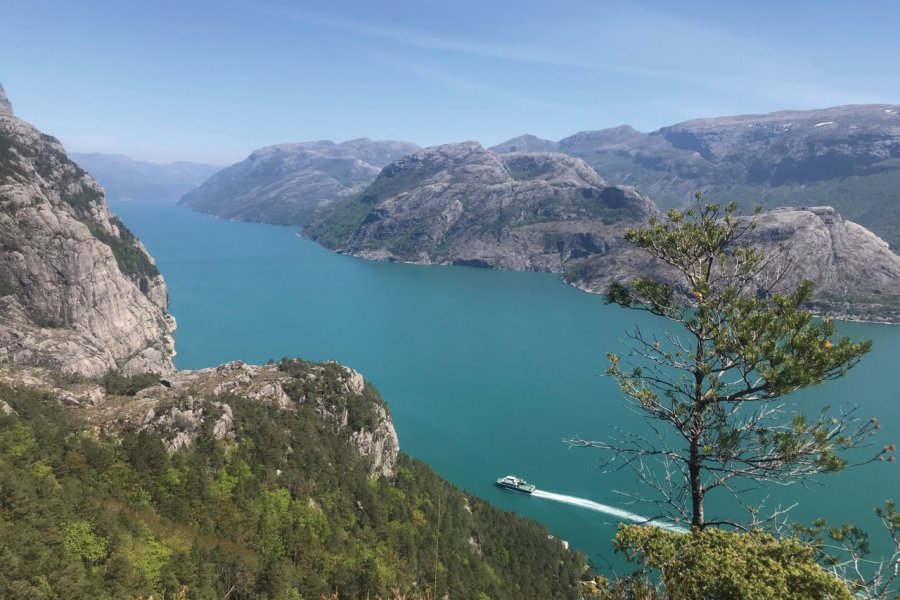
124,178
462,204
287,183
121,477
78,292
526,143
847,157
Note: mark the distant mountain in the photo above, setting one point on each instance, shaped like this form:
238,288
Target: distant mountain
847,157
287,183
462,204
124,178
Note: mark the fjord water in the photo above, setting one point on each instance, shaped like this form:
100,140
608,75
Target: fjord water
485,372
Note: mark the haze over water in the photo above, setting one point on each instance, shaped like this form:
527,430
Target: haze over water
484,372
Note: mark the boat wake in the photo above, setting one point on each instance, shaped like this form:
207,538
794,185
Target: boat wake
622,515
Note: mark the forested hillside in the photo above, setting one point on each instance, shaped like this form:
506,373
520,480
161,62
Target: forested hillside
280,506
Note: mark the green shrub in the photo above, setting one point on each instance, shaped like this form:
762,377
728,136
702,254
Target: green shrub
123,385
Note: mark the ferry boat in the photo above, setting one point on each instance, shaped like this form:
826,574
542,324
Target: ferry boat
511,482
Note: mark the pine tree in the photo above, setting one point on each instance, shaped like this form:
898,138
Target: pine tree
716,381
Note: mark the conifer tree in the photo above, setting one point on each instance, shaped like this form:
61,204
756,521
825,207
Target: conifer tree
713,385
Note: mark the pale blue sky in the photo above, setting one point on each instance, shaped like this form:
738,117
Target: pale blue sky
213,80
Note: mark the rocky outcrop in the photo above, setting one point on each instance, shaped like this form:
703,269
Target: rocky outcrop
855,274
78,292
124,178
286,184
461,204
5,105
183,403
847,157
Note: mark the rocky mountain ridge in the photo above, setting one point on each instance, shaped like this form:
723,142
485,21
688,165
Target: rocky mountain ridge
78,292
846,156
286,183
462,204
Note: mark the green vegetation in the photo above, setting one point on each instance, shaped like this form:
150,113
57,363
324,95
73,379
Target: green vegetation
730,566
335,226
123,385
132,261
287,510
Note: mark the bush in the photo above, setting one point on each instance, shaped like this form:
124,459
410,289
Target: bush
123,385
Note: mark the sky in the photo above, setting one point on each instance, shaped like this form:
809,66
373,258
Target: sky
210,81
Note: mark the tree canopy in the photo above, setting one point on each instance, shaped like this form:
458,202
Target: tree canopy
730,566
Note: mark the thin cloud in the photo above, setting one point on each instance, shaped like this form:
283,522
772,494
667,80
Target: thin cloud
634,42
426,41
466,85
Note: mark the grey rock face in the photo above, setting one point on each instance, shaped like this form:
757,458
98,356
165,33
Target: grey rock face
462,204
286,184
856,276
847,157
526,143
179,426
78,292
5,105
855,273
123,178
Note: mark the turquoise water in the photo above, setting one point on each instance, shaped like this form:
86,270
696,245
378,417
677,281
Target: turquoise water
485,372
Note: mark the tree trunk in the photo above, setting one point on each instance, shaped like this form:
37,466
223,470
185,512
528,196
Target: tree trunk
697,519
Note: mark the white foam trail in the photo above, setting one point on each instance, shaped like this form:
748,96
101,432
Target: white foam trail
622,515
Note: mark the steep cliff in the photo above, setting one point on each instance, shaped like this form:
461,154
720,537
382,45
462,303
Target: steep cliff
462,204
78,292
287,183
